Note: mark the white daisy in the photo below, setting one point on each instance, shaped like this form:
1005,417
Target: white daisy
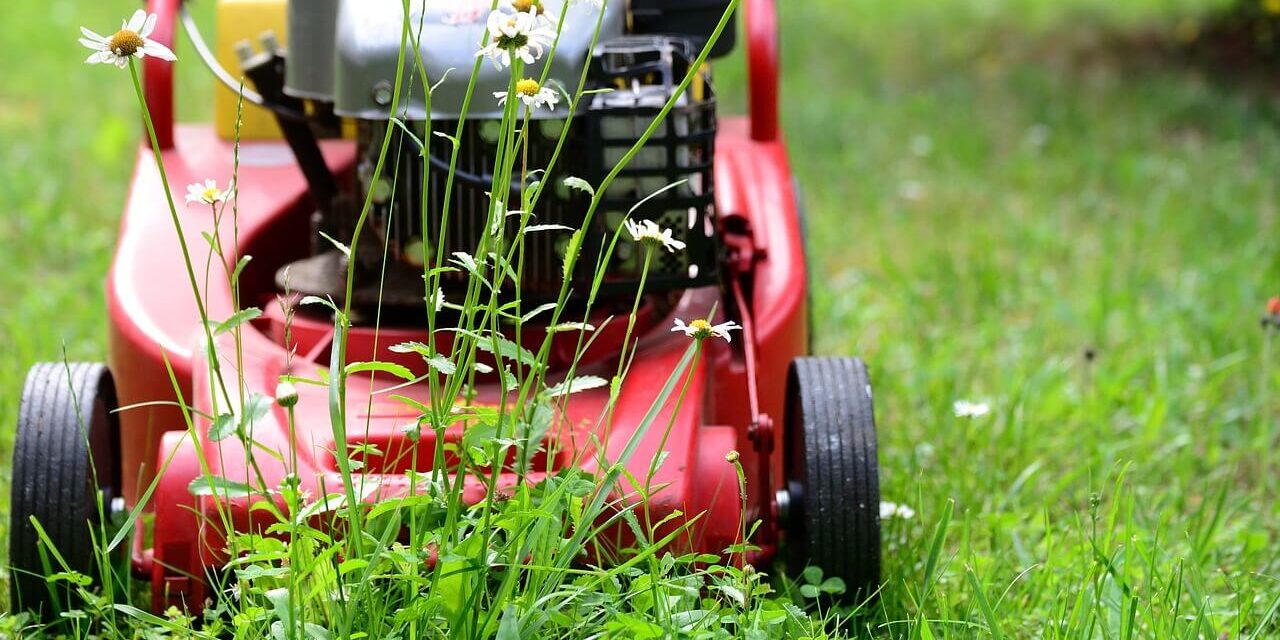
701,329
533,95
130,41
648,232
895,510
207,193
516,35
968,409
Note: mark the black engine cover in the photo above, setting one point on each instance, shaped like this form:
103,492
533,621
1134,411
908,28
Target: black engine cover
695,19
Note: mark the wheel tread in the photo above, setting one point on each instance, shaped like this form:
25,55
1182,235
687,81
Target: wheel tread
833,410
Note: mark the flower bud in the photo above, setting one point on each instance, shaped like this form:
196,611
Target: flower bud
286,394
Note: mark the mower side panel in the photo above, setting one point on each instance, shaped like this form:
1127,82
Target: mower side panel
150,304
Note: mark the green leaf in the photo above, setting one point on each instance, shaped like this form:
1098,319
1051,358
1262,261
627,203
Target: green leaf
442,364
436,361
240,265
253,572
571,251
935,547
993,623
812,575
241,317
416,140
466,261
223,427
809,591
580,383
534,228
509,627
534,313
452,140
580,184
324,302
397,370
346,251
255,409
221,487
506,349
833,585
580,487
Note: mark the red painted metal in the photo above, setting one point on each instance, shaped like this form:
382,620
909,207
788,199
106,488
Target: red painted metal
158,74
763,73
154,326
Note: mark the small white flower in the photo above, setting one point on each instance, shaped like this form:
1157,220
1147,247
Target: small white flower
968,409
207,193
649,233
533,95
517,35
701,329
894,510
438,299
130,41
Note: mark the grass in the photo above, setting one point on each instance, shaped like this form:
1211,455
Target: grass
994,194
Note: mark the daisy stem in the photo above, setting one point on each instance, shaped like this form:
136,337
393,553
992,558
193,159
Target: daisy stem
624,361
168,195
177,223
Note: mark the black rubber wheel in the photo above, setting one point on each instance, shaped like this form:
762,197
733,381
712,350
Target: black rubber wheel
833,477
65,455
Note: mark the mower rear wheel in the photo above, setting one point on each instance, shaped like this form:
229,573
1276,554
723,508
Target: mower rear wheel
832,472
65,456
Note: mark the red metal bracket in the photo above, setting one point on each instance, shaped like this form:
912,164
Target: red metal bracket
762,68
742,256
157,74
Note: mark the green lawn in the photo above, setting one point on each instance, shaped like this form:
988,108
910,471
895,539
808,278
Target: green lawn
995,189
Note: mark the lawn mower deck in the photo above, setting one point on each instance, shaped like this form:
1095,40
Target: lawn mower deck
803,427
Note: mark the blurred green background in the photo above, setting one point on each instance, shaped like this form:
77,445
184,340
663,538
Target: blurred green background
995,188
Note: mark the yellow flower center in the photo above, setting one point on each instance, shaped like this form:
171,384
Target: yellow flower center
523,6
125,43
210,194
528,87
700,326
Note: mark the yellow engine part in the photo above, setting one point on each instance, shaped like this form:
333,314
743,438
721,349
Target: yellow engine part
237,21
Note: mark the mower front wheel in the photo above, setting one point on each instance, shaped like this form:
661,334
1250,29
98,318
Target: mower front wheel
832,472
66,475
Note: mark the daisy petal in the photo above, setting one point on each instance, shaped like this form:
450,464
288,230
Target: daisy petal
92,36
153,48
136,21
148,26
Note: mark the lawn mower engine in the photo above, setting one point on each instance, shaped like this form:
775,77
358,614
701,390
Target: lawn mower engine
632,76
336,137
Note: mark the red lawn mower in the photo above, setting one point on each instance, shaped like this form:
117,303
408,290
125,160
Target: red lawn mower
804,426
